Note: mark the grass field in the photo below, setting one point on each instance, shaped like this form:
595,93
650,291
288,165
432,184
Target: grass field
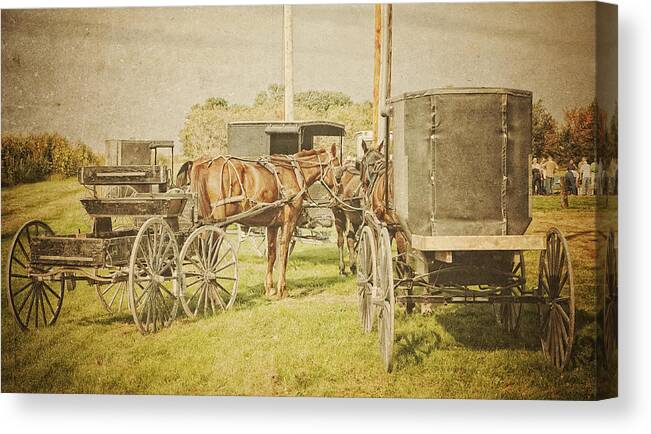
307,345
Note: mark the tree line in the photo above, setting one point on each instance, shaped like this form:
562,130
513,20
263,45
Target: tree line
204,130
36,157
586,131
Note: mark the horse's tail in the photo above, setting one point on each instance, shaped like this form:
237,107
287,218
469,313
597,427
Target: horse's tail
183,175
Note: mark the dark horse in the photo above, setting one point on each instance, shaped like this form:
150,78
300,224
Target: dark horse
348,214
266,192
373,172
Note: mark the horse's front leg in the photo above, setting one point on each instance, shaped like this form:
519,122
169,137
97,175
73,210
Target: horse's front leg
351,230
340,225
286,235
272,236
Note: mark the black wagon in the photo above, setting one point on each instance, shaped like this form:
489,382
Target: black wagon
461,185
257,138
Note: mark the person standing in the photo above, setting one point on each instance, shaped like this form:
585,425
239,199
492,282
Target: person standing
536,177
584,173
550,171
593,177
570,180
543,175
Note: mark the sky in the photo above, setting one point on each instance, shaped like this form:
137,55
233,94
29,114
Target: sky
96,74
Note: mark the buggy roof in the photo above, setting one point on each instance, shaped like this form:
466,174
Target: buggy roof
312,128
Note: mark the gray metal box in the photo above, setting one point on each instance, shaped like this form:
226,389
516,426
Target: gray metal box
461,161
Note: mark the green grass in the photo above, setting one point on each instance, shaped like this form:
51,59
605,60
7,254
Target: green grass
307,345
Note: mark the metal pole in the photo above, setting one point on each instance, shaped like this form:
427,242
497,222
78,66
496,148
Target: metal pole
289,62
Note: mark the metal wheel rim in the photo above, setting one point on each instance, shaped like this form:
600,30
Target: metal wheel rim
209,262
366,277
28,293
154,261
557,312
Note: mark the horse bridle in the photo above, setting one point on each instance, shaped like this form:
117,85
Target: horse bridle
369,171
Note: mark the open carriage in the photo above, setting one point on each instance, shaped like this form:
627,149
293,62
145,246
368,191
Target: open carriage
152,270
461,169
257,138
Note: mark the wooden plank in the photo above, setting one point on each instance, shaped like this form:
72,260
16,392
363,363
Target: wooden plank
165,206
478,242
119,175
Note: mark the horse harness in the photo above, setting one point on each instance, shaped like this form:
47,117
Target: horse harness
272,166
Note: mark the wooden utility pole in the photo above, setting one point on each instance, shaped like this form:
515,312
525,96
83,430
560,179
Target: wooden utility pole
289,63
377,61
382,67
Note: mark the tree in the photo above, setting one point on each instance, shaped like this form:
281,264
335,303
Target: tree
322,100
580,132
205,128
612,136
544,132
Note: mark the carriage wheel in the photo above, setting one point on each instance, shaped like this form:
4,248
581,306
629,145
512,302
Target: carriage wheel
508,314
210,269
118,192
114,296
366,277
384,265
34,302
386,321
155,279
610,299
556,287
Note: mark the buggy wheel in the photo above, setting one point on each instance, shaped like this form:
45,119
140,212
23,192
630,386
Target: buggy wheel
114,296
118,192
384,265
386,320
556,287
155,278
33,302
508,314
366,277
210,270
610,289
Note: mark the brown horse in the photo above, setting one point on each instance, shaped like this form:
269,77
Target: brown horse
267,192
372,174
348,214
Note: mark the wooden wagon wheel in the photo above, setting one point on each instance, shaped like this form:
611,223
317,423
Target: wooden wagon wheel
210,269
386,320
508,314
33,302
114,296
366,276
385,264
155,277
556,287
610,289
119,192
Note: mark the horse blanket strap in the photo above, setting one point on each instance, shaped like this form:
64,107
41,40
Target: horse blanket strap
228,200
300,179
272,168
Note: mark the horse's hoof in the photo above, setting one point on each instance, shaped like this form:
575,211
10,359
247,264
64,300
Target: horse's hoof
353,269
343,274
